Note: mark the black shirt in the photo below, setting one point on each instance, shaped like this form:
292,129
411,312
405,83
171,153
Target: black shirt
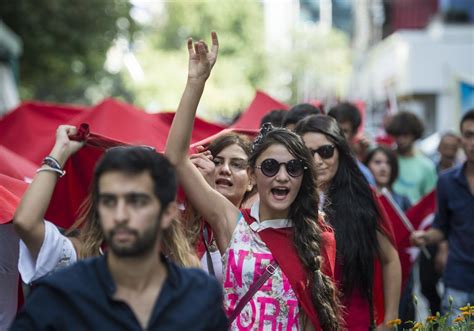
80,297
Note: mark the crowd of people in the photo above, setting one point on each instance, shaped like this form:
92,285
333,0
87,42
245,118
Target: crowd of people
282,232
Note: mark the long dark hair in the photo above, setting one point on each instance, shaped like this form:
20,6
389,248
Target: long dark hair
391,158
306,230
350,209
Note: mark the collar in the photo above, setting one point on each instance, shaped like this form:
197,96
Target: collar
258,225
109,285
460,176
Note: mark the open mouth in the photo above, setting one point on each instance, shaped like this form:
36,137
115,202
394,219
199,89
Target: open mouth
280,193
224,182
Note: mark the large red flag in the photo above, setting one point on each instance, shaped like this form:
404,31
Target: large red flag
259,107
29,129
13,165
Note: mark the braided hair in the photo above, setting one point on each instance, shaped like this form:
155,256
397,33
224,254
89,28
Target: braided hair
306,230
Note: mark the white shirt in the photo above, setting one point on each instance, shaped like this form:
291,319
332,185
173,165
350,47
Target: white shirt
56,252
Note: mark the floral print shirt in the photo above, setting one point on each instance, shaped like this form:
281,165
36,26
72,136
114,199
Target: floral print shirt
275,305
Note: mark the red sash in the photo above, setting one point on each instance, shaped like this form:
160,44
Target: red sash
280,243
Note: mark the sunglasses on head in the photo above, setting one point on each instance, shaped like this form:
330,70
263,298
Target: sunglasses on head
270,167
325,151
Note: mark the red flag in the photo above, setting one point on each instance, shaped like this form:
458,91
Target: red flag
29,129
402,237
260,106
11,191
422,211
421,215
13,165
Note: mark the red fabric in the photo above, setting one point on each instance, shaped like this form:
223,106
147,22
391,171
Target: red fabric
73,188
11,191
423,210
280,243
29,130
13,165
259,107
415,215
134,126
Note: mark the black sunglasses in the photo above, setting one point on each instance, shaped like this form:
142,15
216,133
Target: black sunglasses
325,151
270,167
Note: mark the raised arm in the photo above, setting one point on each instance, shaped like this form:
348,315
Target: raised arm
219,212
392,278
28,220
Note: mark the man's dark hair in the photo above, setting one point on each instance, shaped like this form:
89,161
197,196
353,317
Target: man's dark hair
405,122
298,112
275,117
468,116
346,112
135,160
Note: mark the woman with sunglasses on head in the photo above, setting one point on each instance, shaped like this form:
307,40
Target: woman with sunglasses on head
362,235
224,164
279,239
44,248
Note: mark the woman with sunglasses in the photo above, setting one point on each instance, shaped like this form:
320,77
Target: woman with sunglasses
281,167
362,236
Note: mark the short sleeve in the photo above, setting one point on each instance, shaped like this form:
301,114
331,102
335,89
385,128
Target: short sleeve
56,252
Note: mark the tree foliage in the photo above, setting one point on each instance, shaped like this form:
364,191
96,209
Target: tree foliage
240,68
65,45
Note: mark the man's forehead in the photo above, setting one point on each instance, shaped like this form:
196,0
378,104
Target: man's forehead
118,182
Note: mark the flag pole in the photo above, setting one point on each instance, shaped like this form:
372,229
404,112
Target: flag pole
406,222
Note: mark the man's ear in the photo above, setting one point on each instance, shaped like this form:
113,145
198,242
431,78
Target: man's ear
167,216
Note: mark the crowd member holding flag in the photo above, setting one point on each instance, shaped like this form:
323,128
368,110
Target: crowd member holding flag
431,269
133,286
454,221
383,164
275,253
43,247
362,235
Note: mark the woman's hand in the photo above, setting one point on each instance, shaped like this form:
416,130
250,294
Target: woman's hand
202,160
201,60
64,146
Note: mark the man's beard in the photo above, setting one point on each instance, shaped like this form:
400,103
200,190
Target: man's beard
143,244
